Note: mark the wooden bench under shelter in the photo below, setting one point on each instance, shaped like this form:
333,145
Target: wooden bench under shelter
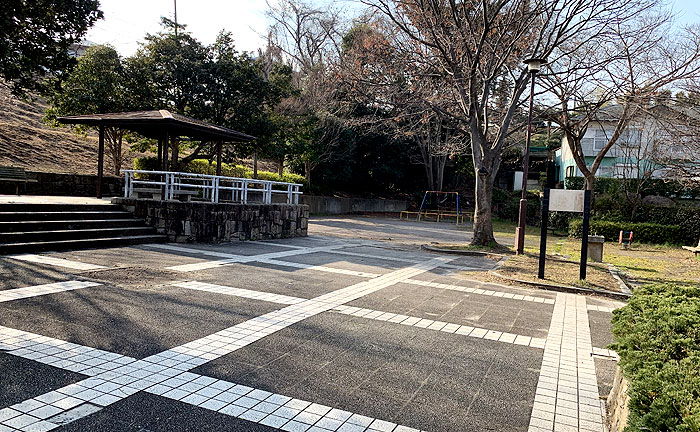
15,175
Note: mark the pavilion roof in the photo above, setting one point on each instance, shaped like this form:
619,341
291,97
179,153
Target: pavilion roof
154,124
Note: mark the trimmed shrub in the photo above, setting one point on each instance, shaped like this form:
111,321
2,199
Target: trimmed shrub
688,218
643,232
657,335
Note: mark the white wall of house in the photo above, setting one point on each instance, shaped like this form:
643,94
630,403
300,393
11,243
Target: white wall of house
632,154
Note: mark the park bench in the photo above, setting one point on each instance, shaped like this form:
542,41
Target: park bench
695,250
15,175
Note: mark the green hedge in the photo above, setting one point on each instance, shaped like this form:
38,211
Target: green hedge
613,186
202,166
688,218
643,232
657,335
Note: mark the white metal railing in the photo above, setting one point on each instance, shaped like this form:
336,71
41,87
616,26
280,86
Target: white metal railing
172,184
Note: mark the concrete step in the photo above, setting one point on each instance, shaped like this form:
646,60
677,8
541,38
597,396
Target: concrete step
80,243
109,213
51,225
55,207
73,234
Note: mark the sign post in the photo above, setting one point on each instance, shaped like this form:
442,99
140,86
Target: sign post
577,201
584,234
543,233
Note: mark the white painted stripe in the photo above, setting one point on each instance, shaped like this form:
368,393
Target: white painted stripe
479,291
567,396
38,290
58,262
246,259
407,320
321,268
404,259
240,292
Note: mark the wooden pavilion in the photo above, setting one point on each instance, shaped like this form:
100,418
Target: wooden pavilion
157,124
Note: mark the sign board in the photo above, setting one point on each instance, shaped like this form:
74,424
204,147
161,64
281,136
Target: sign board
566,200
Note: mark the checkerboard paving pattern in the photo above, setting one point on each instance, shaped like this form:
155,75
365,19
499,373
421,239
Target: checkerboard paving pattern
442,326
114,377
120,376
58,262
567,397
37,290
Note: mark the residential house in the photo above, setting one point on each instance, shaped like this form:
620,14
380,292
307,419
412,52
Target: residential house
639,151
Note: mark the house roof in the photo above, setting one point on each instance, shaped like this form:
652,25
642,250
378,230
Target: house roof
156,123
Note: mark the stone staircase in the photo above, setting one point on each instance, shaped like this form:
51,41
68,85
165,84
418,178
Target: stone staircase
42,227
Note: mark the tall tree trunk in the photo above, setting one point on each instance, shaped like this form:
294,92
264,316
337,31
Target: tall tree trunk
255,165
176,154
307,173
483,217
486,163
441,161
280,168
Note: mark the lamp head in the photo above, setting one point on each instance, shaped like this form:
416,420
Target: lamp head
535,64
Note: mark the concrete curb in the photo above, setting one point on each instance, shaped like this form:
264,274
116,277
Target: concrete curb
461,252
565,288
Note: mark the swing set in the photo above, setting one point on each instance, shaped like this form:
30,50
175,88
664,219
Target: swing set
437,205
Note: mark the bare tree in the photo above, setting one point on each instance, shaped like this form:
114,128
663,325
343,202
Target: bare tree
399,96
475,44
614,78
309,39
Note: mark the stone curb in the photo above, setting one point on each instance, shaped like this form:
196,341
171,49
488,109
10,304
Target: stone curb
461,252
565,288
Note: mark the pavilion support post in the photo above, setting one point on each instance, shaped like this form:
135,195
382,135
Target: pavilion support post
218,158
166,143
160,152
100,161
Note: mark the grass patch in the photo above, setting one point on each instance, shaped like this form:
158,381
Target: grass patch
641,263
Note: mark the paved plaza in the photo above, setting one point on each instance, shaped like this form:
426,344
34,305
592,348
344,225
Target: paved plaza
353,328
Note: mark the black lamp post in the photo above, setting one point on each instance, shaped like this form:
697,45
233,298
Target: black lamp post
533,66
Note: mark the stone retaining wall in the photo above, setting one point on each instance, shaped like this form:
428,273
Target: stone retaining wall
617,404
65,184
207,222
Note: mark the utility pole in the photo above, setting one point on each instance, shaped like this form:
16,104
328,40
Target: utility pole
175,3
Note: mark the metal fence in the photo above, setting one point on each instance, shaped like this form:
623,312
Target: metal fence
172,185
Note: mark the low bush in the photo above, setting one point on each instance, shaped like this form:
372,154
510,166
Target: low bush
657,335
643,232
688,218
203,166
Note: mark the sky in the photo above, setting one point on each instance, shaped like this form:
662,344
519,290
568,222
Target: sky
126,22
